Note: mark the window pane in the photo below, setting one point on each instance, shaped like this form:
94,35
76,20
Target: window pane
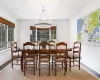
10,35
3,36
53,34
33,35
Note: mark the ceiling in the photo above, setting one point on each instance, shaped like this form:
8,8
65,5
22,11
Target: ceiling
54,9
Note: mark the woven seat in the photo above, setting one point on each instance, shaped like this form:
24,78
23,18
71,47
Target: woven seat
70,55
17,55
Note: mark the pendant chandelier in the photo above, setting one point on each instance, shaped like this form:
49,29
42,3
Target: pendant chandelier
43,19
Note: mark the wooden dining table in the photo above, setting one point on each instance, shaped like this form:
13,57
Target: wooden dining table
37,51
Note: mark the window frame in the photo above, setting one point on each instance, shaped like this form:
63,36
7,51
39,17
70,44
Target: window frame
6,36
11,36
50,32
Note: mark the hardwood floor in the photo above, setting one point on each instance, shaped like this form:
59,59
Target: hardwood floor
15,74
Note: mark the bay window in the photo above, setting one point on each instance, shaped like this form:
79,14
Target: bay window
42,34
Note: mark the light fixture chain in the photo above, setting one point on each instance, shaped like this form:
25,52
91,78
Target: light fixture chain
43,17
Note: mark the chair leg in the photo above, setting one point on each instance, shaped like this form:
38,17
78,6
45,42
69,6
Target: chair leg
22,63
70,65
65,69
36,61
17,61
49,69
55,69
79,63
12,63
34,68
39,68
73,61
36,64
24,68
52,63
62,65
66,66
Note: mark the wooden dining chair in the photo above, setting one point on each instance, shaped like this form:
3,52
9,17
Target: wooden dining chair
52,50
74,55
29,56
44,56
15,54
36,51
60,56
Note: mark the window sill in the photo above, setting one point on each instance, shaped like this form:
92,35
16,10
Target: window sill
5,50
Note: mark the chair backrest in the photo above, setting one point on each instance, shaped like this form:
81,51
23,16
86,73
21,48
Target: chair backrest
36,44
52,44
14,46
77,47
28,48
28,45
44,48
61,50
28,53
44,45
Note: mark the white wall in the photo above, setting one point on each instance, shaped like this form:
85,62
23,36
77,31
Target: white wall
24,30
90,54
5,55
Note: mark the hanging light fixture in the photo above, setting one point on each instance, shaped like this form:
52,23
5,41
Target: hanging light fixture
43,19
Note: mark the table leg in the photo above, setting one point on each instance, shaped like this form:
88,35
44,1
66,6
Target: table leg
22,62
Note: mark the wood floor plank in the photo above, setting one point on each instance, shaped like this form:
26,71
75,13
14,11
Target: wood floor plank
15,74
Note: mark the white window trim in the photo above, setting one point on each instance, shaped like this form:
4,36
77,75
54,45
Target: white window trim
6,41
